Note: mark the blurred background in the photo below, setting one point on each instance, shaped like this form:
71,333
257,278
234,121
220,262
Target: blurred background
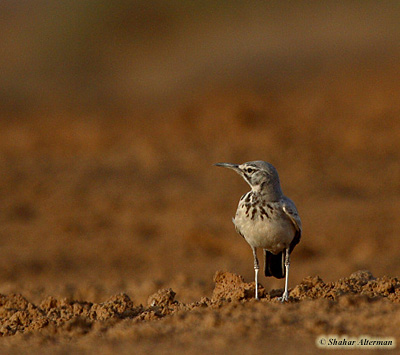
113,112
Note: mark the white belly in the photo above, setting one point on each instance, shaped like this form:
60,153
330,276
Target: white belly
274,234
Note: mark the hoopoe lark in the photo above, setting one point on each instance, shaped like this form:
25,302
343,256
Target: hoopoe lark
267,219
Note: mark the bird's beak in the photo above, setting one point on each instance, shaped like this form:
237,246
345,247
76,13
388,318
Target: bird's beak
230,166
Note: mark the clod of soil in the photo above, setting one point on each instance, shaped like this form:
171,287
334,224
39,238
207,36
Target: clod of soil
231,287
55,317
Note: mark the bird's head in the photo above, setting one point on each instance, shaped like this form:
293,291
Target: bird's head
260,175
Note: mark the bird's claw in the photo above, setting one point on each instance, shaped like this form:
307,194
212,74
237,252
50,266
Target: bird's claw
284,298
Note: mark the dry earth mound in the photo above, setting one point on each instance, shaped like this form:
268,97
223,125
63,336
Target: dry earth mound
359,304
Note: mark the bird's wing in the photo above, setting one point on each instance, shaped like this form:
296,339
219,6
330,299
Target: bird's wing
290,209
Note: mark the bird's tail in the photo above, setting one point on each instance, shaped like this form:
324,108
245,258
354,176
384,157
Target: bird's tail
274,265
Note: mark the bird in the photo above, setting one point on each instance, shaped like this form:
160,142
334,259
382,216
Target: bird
267,219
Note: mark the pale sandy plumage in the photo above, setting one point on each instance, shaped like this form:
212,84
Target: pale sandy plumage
267,219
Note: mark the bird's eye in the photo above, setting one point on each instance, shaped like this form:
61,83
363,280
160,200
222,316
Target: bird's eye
250,170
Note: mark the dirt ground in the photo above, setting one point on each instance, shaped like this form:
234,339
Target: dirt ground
116,232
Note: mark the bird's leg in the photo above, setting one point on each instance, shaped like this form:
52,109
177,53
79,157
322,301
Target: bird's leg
256,268
285,296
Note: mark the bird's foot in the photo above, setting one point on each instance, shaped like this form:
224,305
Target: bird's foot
284,298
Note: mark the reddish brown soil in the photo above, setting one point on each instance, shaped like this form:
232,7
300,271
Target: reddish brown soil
112,228
359,304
